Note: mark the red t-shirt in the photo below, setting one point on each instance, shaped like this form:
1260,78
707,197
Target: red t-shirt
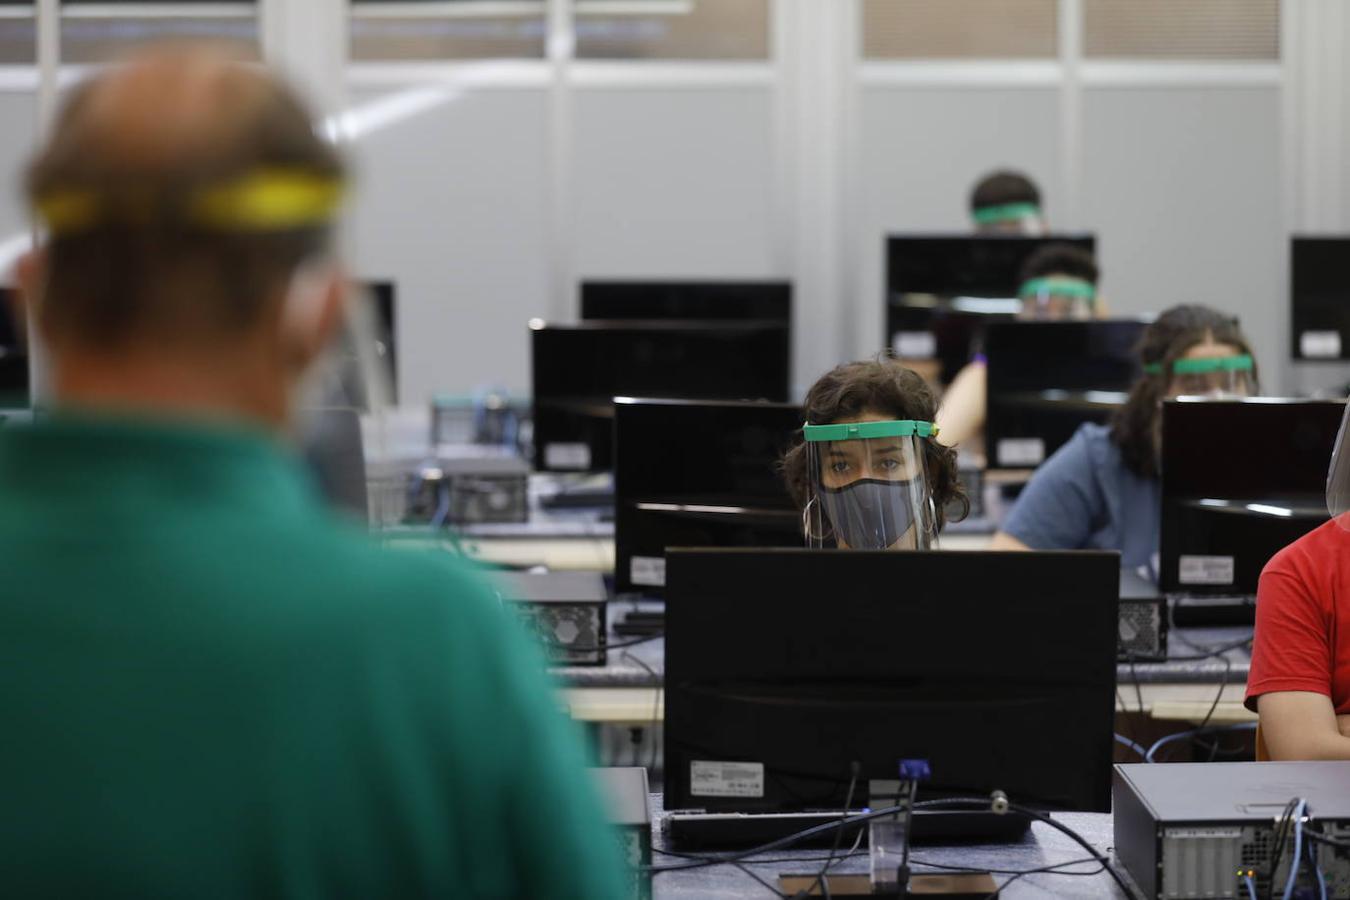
1303,620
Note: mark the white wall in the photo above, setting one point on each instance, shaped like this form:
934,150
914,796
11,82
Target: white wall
1183,186
451,204
18,121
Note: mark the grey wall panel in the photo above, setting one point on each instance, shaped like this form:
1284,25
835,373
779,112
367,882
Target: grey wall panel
452,204
1184,186
921,151
673,182
18,112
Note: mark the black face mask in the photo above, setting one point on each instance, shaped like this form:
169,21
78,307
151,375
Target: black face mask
869,514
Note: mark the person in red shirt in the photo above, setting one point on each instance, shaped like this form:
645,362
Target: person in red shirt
1300,675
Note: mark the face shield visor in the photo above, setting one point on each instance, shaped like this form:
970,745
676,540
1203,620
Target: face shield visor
1010,218
868,486
1216,377
1057,298
1338,475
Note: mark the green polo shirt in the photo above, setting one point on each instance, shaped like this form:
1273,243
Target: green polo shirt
209,688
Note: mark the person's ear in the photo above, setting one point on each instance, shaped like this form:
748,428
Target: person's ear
313,310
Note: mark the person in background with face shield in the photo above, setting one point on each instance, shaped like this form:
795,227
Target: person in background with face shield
1100,490
1007,202
1300,677
868,473
1058,283
215,687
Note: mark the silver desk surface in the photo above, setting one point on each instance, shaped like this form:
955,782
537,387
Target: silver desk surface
1043,846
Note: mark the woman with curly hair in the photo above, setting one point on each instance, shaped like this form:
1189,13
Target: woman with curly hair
868,473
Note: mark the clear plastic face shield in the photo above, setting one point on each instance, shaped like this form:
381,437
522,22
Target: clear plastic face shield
1058,297
868,486
1010,218
1338,476
1215,377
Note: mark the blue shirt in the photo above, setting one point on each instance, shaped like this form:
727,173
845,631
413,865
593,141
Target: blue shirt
1086,498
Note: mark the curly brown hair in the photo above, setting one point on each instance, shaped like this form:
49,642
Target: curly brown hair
1166,340
880,386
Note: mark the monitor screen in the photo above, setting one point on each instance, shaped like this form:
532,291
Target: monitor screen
797,664
977,277
1045,379
698,473
1241,480
765,300
14,374
579,369
1319,297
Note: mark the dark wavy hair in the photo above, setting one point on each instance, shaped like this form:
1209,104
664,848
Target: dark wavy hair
1061,259
1167,339
1003,187
888,388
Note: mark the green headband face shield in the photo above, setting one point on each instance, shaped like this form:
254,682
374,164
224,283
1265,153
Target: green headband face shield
1210,376
1058,297
1011,218
868,487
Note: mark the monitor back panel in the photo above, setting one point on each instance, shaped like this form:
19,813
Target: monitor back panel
1319,298
698,473
763,300
783,667
1046,379
1240,481
578,370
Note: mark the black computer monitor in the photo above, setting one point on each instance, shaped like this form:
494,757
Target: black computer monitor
15,391
941,288
997,668
1319,297
1045,379
764,300
579,369
1240,481
697,473
381,296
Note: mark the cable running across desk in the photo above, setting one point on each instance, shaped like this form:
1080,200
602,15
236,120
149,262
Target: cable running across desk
955,803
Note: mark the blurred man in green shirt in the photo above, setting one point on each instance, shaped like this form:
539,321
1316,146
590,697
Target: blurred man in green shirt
210,688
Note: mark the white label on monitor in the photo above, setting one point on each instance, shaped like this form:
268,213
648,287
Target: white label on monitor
1320,344
726,779
1021,452
567,456
1206,570
649,571
914,345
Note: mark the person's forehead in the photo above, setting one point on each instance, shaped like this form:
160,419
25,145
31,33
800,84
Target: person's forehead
1210,350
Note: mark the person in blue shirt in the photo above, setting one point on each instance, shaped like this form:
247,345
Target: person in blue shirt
1101,490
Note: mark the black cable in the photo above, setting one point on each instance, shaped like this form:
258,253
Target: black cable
855,768
767,885
1043,870
656,705
1327,839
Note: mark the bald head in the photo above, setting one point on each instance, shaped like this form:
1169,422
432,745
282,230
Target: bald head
183,192
132,153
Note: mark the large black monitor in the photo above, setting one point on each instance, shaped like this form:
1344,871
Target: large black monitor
381,296
1045,379
764,300
941,288
1319,297
1240,481
997,668
15,390
698,473
579,369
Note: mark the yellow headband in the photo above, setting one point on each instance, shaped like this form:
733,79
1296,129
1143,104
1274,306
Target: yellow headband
263,200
